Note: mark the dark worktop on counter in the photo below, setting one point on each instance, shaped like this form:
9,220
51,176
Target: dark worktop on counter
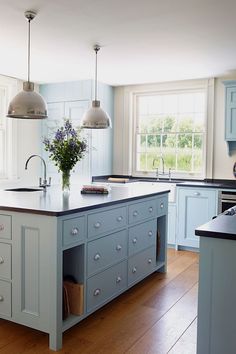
224,227
54,203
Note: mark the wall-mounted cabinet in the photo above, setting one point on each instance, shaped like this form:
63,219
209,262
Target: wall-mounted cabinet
71,100
230,115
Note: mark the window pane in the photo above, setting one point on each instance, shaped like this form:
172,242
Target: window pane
184,161
185,141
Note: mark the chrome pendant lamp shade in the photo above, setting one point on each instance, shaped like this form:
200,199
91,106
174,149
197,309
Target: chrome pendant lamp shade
96,117
28,104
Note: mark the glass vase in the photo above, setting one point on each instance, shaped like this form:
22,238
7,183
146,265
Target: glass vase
66,181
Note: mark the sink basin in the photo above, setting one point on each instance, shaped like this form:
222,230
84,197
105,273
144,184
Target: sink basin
23,189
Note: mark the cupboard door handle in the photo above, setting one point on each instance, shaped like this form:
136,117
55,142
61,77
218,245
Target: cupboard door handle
1,260
1,298
134,240
150,233
118,247
134,270
150,209
96,292
1,227
97,225
162,205
97,257
149,261
135,213
74,231
119,218
118,279
196,193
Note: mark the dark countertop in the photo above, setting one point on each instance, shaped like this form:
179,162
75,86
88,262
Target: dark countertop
224,227
54,203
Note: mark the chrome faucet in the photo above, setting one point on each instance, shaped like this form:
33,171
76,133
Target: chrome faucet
44,184
163,167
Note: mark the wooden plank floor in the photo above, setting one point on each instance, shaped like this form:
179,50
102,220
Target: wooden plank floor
157,316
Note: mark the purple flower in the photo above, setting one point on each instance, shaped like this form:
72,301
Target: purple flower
73,133
59,136
68,126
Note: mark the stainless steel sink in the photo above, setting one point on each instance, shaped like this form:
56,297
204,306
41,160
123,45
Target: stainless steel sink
23,189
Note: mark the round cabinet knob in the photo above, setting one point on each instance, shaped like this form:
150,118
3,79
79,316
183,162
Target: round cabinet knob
134,270
118,247
149,261
150,233
119,218
1,298
1,227
162,205
196,193
150,209
97,225
97,257
97,292
1,260
135,213
74,231
134,240
118,279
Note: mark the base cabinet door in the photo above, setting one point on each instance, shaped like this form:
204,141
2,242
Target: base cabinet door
171,238
195,207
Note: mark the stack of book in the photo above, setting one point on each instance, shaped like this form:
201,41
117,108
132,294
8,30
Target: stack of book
92,189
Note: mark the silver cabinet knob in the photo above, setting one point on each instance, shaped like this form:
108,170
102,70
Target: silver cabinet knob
1,260
118,247
134,240
1,227
119,218
97,257
118,279
197,193
97,225
150,209
134,270
162,205
150,261
74,231
150,233
97,292
1,298
135,213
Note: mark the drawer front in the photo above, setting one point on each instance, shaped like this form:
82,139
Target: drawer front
5,298
5,261
141,264
5,226
105,285
162,205
106,251
106,221
73,230
142,236
141,211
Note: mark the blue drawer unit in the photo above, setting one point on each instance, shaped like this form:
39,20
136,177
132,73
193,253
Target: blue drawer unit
162,205
141,264
105,251
106,285
73,230
142,211
103,222
142,236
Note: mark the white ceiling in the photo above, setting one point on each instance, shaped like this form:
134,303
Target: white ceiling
142,41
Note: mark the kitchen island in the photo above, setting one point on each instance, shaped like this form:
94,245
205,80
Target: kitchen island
217,286
105,243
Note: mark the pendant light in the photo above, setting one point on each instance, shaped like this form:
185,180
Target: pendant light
28,104
96,117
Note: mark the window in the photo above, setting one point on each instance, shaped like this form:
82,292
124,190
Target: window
171,126
3,142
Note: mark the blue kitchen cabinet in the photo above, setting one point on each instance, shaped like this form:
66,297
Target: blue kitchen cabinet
230,115
195,206
71,100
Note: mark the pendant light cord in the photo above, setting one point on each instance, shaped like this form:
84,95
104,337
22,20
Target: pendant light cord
29,20
96,49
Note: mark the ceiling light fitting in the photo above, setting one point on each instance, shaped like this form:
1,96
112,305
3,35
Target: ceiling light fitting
96,117
28,104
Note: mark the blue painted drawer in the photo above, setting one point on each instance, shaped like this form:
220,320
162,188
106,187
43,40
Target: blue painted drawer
106,221
141,211
141,264
106,251
73,230
5,261
162,205
5,298
5,226
142,236
105,285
